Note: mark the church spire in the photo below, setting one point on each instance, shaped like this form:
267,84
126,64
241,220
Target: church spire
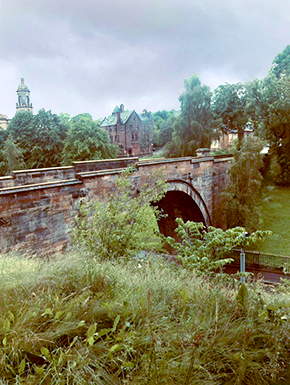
23,94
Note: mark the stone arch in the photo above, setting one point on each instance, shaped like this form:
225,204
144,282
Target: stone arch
181,200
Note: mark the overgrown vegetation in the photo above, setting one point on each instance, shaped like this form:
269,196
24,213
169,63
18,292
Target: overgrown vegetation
115,311
207,250
76,320
118,225
241,197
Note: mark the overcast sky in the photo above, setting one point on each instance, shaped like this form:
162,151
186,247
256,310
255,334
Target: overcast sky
89,55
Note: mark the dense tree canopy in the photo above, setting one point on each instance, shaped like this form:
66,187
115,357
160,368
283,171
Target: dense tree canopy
281,63
12,158
50,140
241,196
229,103
39,136
192,128
163,127
85,141
275,122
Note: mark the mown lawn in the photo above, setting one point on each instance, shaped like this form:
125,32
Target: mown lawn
275,213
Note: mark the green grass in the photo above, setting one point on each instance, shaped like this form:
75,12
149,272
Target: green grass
76,320
275,215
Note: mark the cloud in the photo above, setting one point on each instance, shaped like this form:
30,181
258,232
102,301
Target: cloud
88,56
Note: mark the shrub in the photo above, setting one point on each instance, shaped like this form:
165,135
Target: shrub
208,250
121,225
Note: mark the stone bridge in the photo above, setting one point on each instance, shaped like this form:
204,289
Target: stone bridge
38,207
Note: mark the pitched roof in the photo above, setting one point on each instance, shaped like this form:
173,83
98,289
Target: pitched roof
112,119
116,109
144,118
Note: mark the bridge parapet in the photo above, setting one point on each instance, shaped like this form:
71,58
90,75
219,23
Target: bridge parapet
37,207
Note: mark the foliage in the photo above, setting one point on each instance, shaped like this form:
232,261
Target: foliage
85,140
241,197
3,136
78,117
79,321
229,103
192,128
12,157
145,139
281,63
275,117
123,225
208,250
163,127
39,136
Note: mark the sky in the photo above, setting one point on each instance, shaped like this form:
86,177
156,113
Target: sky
81,56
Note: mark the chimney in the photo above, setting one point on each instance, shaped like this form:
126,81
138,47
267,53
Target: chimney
122,107
22,80
118,119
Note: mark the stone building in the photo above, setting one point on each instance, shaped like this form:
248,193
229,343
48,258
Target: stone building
131,131
23,94
4,121
225,141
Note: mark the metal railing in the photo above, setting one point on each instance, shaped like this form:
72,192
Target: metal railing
257,258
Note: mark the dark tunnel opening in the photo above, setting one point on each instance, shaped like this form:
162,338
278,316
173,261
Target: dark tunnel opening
177,204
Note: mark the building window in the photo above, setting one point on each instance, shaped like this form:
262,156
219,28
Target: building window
110,129
136,136
131,127
138,127
111,138
122,128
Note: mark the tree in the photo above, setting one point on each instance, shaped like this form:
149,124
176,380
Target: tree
3,136
163,127
272,114
281,63
40,137
229,103
76,118
166,130
12,157
50,135
145,139
240,199
192,128
86,141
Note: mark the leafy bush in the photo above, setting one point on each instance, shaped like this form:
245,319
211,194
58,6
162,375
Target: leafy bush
121,225
207,250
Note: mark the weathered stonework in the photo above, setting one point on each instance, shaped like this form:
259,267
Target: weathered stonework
38,207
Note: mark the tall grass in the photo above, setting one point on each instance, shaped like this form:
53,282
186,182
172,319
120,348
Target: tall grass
76,320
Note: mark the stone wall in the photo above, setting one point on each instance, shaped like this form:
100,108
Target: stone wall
38,207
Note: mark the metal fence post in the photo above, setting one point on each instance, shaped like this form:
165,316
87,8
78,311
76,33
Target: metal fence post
242,264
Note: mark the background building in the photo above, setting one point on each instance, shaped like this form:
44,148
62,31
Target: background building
131,131
4,121
23,95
